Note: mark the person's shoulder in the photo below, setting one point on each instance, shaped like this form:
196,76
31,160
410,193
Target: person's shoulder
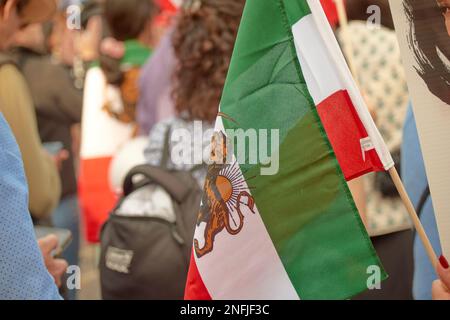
9,71
162,126
11,78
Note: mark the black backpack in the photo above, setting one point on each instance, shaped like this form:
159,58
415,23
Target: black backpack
146,257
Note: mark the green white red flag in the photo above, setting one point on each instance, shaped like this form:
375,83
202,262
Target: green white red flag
296,234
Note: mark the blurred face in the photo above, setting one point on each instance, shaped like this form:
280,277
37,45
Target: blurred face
9,23
445,5
62,41
89,40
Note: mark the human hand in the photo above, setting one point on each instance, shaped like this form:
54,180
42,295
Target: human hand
60,157
441,287
56,267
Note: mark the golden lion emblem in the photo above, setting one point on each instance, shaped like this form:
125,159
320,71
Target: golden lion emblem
223,195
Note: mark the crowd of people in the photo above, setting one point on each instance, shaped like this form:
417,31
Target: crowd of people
88,94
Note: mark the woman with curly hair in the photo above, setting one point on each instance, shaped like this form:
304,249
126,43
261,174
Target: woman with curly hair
203,43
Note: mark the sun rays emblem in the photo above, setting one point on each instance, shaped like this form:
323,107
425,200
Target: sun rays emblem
226,195
231,184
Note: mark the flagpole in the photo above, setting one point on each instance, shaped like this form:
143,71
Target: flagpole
414,216
343,21
348,45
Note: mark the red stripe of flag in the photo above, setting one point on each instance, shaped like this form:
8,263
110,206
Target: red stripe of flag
96,198
346,132
195,288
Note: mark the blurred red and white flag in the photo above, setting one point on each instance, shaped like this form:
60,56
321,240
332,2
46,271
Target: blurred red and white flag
101,138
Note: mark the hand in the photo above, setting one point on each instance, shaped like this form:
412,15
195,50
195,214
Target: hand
60,157
441,287
56,267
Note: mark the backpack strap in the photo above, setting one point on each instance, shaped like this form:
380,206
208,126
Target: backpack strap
166,149
176,188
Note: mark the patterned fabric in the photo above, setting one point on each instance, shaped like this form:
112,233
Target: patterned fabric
183,138
381,77
22,271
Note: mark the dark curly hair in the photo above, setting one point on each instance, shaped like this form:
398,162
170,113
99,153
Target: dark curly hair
203,43
125,19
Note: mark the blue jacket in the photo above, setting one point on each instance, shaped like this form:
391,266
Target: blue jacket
415,179
23,275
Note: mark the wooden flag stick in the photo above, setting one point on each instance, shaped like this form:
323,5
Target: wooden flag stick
414,217
343,21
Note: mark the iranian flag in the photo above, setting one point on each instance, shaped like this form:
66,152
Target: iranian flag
296,234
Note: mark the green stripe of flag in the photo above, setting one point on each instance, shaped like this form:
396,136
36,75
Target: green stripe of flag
295,10
307,207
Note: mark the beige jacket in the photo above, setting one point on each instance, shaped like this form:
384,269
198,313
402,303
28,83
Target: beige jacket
42,175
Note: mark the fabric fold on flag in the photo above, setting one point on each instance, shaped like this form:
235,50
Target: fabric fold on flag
295,234
356,141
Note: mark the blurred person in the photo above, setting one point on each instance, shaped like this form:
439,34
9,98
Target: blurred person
28,269
203,43
58,106
87,48
109,110
156,103
87,40
380,75
62,39
92,31
440,289
17,107
25,274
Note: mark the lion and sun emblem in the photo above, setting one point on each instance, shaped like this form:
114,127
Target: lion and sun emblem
226,194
